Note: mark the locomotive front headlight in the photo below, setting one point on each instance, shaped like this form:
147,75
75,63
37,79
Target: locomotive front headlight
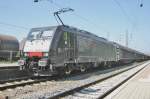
21,62
45,54
25,54
42,62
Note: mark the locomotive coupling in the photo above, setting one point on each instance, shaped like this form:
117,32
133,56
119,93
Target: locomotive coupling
21,62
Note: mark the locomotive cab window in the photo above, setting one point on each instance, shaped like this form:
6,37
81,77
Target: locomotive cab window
41,34
34,35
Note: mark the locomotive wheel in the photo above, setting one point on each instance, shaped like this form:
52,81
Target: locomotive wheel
67,70
82,68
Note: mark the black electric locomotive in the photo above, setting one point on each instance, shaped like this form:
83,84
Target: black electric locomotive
62,49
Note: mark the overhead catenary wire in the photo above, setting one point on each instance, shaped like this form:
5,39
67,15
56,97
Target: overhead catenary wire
124,12
12,25
63,10
77,15
133,24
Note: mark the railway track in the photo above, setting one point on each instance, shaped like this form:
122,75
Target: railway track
62,87
22,82
8,67
100,88
15,79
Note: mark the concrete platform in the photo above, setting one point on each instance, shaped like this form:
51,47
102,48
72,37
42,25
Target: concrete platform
137,87
10,71
7,65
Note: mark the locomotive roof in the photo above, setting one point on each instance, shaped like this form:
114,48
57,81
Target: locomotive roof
75,30
7,37
127,48
84,33
44,28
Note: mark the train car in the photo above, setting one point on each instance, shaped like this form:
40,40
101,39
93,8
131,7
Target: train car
62,49
9,45
127,55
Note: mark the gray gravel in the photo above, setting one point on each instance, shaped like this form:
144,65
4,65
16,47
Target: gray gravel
97,90
51,88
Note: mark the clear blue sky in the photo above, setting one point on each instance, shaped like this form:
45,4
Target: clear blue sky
101,17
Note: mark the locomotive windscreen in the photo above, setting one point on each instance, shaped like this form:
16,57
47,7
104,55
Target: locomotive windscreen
39,39
40,34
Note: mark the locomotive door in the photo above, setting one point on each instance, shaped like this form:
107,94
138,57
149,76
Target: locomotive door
70,46
117,53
